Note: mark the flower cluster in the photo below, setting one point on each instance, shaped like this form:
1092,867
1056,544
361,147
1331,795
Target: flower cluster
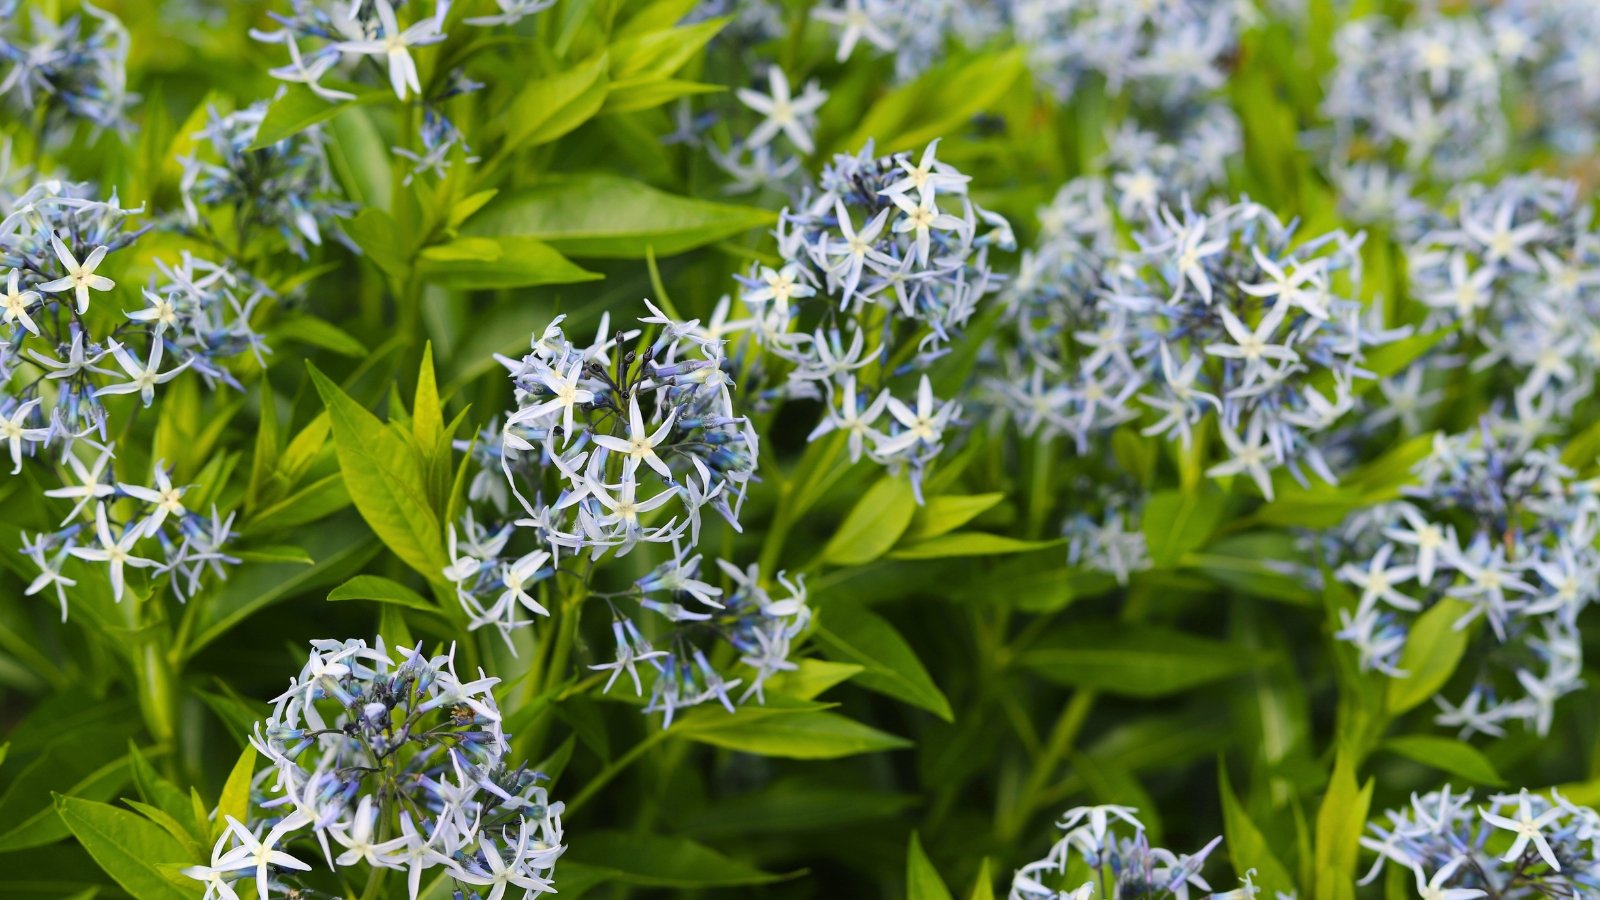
64,351
1225,314
403,766
1184,156
1107,536
1095,857
693,618
67,72
916,32
1516,266
285,188
1505,533
882,267
1424,96
1520,845
1160,54
124,525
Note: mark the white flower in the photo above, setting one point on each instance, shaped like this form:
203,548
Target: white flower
783,112
920,217
116,553
260,853
1250,456
79,278
1526,827
640,446
357,839
168,500
17,303
857,24
14,431
142,379
393,46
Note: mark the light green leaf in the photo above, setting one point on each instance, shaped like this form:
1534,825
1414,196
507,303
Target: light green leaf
379,238
967,543
383,590
131,849
385,480
1340,821
983,884
941,102
1135,660
794,734
491,263
889,666
922,879
946,513
298,108
874,525
1447,755
1176,522
578,215
810,678
547,108
1246,846
1433,650
314,331
235,799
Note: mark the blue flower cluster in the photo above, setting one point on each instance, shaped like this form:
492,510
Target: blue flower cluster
1096,856
404,766
65,73
284,189
1515,266
882,266
1504,533
1521,845
1225,315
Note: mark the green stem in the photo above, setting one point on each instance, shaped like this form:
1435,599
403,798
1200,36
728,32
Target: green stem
615,768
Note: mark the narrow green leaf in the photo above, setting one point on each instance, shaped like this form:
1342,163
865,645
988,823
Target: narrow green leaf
298,108
577,215
1433,650
1176,522
796,735
385,480
983,884
235,799
383,590
504,261
944,514
379,238
888,664
1246,846
131,849
874,525
922,879
967,543
1135,660
547,108
1447,755
1341,819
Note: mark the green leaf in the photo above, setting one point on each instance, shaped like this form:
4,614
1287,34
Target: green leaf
298,108
314,331
235,799
922,879
889,666
810,678
376,233
550,107
1135,660
579,215
385,480
791,806
1447,755
1246,846
874,525
1176,522
967,543
491,263
383,590
162,794
1433,650
983,884
1340,821
944,514
796,734
662,861
131,849
941,102
35,827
